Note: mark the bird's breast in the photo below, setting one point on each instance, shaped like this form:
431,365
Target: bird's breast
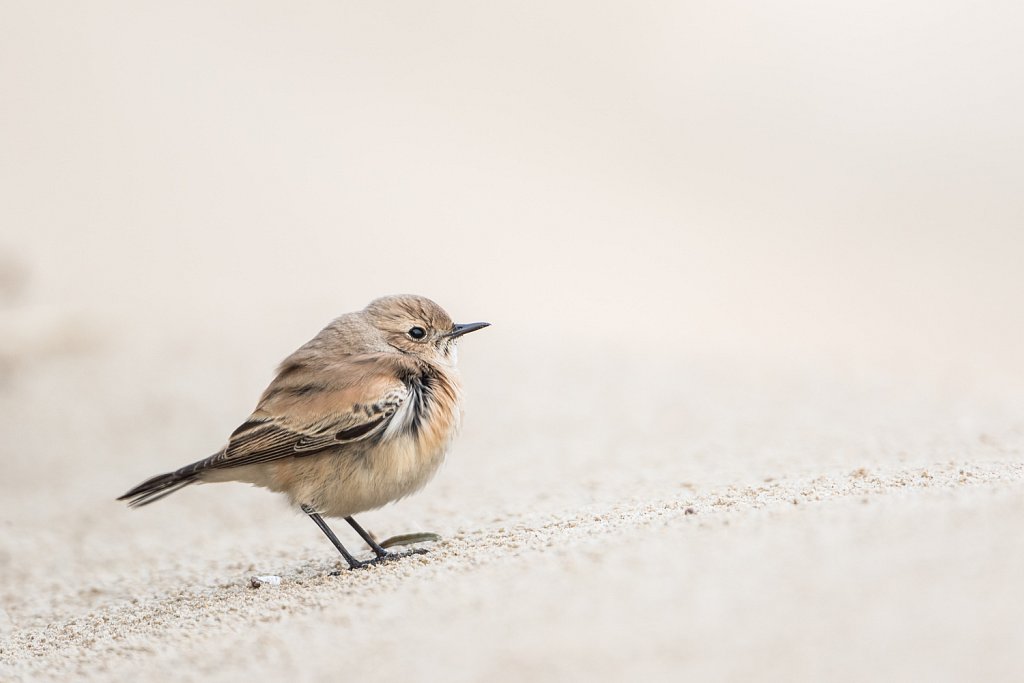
408,453
432,414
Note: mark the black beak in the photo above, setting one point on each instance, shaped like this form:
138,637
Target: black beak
460,330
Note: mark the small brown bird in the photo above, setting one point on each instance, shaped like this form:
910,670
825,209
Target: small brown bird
359,416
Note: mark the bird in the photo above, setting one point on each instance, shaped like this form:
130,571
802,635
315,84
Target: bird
359,416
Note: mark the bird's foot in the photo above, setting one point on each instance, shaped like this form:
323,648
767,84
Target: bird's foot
380,559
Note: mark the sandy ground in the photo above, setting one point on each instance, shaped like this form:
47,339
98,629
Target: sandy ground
738,522
751,407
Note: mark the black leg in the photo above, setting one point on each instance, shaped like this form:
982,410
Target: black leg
368,538
353,563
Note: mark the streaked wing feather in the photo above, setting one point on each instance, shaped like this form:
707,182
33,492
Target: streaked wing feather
265,438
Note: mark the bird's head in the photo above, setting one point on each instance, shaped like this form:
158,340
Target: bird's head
416,325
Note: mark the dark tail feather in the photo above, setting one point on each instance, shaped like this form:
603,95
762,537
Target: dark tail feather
157,487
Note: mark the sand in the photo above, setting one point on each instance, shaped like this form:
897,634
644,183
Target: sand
751,406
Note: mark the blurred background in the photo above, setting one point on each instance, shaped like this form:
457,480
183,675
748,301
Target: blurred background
802,173
718,242
199,187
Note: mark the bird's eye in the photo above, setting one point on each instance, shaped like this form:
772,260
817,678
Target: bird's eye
417,333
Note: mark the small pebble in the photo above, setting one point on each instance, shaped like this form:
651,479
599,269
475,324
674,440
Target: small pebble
257,581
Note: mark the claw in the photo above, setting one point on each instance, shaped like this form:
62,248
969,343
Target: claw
388,557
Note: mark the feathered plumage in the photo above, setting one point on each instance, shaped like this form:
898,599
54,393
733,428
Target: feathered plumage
359,416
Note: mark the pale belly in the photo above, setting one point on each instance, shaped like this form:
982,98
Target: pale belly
391,471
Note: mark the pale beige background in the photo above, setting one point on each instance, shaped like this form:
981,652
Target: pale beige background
738,255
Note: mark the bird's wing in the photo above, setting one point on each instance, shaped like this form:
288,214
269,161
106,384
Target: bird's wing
311,412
